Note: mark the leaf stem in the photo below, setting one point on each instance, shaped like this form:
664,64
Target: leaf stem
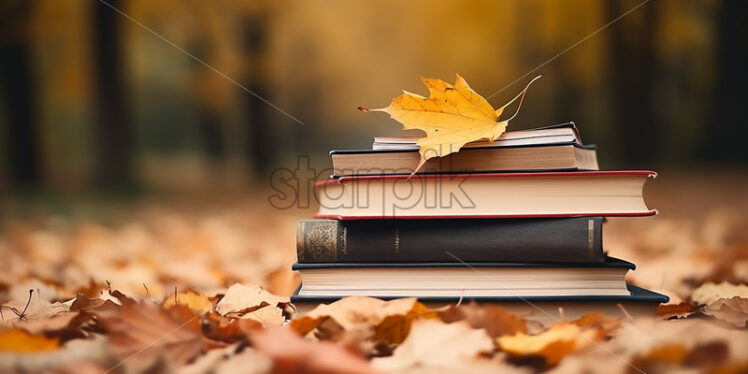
521,97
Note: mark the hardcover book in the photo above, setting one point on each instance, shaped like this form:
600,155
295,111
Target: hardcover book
556,157
498,195
502,279
470,240
557,147
562,133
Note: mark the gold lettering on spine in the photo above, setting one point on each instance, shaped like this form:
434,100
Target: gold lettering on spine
322,241
345,240
397,240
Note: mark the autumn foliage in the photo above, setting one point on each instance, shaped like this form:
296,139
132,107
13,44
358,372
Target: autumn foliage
206,291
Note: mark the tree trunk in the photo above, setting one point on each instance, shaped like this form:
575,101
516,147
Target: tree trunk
632,79
17,86
260,135
112,128
727,140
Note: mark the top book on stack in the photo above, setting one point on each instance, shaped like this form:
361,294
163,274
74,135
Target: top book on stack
552,148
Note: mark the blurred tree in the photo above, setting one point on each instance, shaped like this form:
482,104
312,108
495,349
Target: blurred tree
17,85
728,141
632,67
113,132
261,141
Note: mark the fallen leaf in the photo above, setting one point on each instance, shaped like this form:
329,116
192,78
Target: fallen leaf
293,354
642,336
33,308
680,310
707,354
18,340
384,322
248,361
267,316
208,362
440,346
710,292
197,302
228,330
733,310
83,303
117,297
552,345
39,325
452,116
494,319
73,357
598,321
143,327
668,357
240,299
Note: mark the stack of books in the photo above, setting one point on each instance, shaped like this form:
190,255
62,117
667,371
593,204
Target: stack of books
515,222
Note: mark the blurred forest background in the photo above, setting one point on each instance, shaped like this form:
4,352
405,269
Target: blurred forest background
92,102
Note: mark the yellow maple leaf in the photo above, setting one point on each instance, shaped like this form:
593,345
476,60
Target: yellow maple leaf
452,116
560,340
198,303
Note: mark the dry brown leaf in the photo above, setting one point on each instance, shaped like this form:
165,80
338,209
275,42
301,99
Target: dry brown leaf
33,308
197,302
710,292
552,345
18,340
248,361
645,335
146,329
440,346
494,319
228,330
240,299
733,310
117,297
598,321
83,303
293,354
711,355
385,322
213,362
267,316
37,326
680,310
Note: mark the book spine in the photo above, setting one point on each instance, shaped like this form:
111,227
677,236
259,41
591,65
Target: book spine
464,240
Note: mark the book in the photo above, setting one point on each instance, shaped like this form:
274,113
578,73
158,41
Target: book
495,195
552,148
556,157
563,133
543,309
471,240
501,279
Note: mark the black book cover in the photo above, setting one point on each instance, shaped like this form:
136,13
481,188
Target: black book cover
554,240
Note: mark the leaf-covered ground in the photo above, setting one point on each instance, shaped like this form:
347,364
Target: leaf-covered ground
201,287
